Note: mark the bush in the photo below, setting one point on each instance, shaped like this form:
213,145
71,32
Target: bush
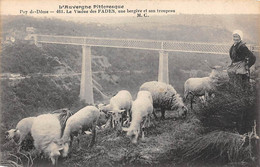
232,108
25,58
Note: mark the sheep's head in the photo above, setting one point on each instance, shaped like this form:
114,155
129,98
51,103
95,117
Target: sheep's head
177,104
65,150
54,151
104,108
103,118
117,118
219,73
101,106
13,134
54,157
182,111
132,134
65,144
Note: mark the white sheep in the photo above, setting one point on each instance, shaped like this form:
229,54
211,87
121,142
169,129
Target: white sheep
23,128
120,107
46,132
196,87
142,110
165,97
83,120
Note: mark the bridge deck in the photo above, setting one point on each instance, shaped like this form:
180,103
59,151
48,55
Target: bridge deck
171,46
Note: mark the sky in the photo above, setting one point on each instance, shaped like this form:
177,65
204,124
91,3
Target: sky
26,7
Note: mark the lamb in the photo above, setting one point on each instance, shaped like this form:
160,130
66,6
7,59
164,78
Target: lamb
46,132
81,121
141,112
120,107
165,97
198,87
23,128
204,86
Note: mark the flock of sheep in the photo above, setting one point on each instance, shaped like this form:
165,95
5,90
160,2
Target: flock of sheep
54,139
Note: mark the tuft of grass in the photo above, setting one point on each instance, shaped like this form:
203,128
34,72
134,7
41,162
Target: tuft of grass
220,146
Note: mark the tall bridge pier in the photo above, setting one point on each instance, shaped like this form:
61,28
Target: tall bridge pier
86,84
163,71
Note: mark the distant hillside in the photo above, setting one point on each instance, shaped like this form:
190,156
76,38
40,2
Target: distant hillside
214,27
25,59
200,28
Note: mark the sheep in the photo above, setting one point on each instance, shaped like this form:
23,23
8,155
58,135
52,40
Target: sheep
46,132
81,121
120,108
198,87
165,97
23,128
204,86
142,110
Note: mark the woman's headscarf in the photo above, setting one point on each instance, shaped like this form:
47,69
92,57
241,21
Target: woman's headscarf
238,32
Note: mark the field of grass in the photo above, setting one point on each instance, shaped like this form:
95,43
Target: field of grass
113,150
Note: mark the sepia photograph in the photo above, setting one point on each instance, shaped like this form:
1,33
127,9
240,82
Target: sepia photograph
104,83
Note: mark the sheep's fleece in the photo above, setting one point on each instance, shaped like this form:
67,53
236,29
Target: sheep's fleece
163,95
46,132
84,119
23,128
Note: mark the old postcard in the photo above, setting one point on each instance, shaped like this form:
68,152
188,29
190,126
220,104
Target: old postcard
130,83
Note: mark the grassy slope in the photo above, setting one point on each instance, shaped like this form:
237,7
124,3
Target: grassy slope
110,150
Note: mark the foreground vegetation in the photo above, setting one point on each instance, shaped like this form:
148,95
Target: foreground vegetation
204,138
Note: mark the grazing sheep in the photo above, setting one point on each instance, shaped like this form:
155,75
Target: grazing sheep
120,107
165,97
23,128
81,121
204,86
46,132
141,112
198,87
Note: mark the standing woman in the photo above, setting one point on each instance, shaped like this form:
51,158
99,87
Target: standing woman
238,71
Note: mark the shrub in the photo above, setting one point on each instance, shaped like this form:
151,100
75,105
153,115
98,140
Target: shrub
232,108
